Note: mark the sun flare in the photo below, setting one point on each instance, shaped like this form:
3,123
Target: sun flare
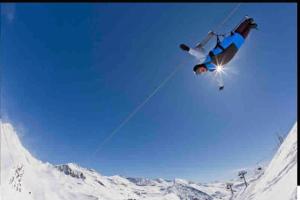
219,68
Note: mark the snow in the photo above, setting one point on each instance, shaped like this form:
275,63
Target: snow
279,181
25,177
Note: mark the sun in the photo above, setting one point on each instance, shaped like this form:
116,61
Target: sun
219,68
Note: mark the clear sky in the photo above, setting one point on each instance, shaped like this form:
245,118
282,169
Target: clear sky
72,72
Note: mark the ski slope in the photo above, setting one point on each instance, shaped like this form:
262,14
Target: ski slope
23,177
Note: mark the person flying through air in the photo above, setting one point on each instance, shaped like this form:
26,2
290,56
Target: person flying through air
224,50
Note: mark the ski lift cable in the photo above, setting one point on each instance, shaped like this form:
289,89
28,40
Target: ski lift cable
268,155
233,11
132,114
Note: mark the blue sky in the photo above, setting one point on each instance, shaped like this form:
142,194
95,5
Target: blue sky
72,72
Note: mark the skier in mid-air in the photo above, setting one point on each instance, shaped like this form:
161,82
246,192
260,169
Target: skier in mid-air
224,50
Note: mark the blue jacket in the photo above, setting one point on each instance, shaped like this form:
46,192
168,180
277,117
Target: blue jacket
235,40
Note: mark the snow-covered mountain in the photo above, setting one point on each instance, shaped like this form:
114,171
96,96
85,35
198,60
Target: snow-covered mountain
23,177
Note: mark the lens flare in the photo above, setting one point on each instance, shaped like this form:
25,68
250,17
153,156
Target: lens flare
219,68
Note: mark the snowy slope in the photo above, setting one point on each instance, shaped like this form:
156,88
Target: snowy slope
279,180
23,177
